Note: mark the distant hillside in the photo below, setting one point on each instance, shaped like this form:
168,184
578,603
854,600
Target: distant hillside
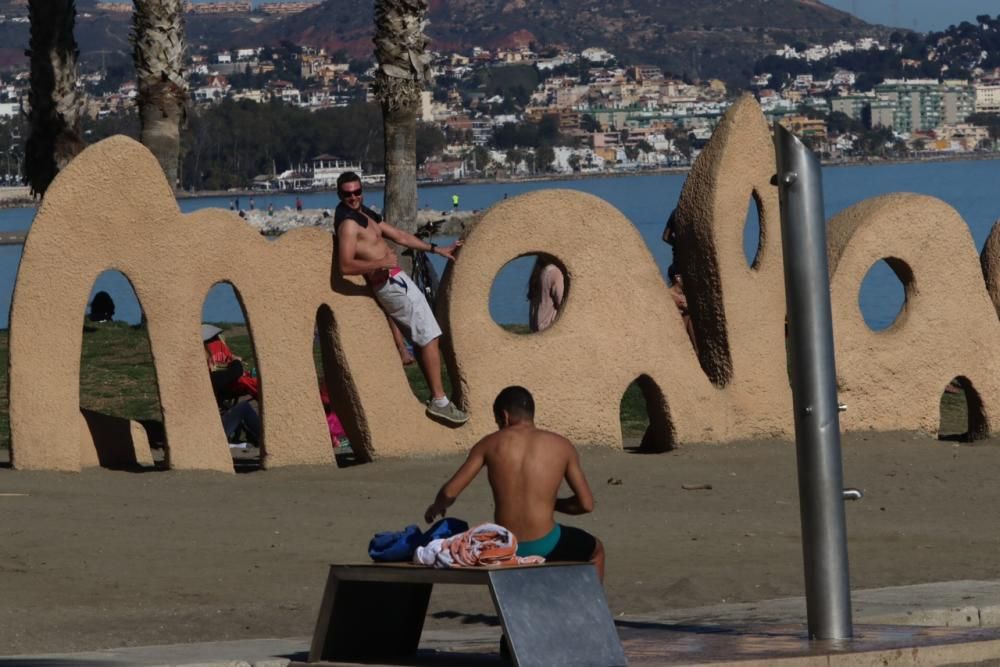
960,52
104,36
720,38
702,38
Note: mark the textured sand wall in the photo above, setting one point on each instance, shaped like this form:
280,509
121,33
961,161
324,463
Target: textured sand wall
112,209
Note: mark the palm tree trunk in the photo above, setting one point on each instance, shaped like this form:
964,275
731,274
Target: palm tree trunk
400,167
404,66
54,106
160,133
158,54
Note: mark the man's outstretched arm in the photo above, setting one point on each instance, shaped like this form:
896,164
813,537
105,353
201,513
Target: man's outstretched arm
408,240
448,493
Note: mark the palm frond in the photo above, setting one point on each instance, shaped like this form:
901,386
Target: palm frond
401,52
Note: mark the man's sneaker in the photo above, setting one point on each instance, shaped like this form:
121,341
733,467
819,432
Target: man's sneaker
448,413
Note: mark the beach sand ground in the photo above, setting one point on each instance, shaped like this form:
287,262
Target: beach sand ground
105,559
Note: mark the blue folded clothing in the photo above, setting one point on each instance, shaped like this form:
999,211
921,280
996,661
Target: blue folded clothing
444,528
395,546
398,546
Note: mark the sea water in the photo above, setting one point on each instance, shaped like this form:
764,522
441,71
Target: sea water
646,200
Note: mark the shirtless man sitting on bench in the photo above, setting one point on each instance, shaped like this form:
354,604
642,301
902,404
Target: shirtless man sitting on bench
526,467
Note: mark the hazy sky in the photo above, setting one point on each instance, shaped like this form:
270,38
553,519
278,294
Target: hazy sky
920,15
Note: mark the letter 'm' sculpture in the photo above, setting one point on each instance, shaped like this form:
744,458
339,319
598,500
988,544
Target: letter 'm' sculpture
112,209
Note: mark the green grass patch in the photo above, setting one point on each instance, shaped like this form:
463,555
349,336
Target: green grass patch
116,372
634,417
954,414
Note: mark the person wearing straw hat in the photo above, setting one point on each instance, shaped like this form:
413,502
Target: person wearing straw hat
221,358
229,382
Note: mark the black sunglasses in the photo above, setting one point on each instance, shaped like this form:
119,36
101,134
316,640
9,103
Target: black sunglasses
350,193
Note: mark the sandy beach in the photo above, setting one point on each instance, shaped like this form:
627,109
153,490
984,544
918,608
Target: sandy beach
106,559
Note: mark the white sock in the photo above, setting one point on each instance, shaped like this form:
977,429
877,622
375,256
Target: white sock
441,402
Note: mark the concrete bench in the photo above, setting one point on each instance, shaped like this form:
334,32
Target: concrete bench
553,614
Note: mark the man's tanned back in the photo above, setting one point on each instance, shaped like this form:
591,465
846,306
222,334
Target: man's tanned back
526,467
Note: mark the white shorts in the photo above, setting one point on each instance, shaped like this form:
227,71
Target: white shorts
407,306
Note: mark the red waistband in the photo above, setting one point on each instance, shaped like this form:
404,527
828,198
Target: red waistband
381,277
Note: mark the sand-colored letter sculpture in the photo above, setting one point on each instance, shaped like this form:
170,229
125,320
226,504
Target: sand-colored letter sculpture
112,209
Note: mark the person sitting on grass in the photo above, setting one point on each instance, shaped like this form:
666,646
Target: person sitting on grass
220,357
526,467
228,386
362,251
241,416
102,308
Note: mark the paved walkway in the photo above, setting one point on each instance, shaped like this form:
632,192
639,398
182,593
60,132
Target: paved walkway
956,604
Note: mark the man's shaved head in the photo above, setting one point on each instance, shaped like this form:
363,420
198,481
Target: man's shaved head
516,402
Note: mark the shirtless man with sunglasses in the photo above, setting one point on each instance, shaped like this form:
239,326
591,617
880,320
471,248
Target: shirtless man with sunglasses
362,251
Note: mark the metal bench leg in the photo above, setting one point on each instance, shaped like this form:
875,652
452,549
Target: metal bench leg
369,620
556,616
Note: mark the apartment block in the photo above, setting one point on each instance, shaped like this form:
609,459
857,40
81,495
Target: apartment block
924,104
988,97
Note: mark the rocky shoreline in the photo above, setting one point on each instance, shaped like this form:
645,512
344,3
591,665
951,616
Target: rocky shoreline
16,197
287,219
453,223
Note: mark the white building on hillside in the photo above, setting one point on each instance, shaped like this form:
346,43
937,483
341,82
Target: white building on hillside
597,55
988,97
564,58
326,169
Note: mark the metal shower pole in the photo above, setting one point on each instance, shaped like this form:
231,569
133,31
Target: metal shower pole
814,389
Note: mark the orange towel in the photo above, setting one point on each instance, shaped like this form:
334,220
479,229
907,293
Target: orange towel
486,545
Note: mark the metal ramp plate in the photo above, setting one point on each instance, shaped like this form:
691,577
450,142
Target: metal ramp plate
552,615
555,617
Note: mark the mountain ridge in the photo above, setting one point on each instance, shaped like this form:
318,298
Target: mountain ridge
712,39
716,39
